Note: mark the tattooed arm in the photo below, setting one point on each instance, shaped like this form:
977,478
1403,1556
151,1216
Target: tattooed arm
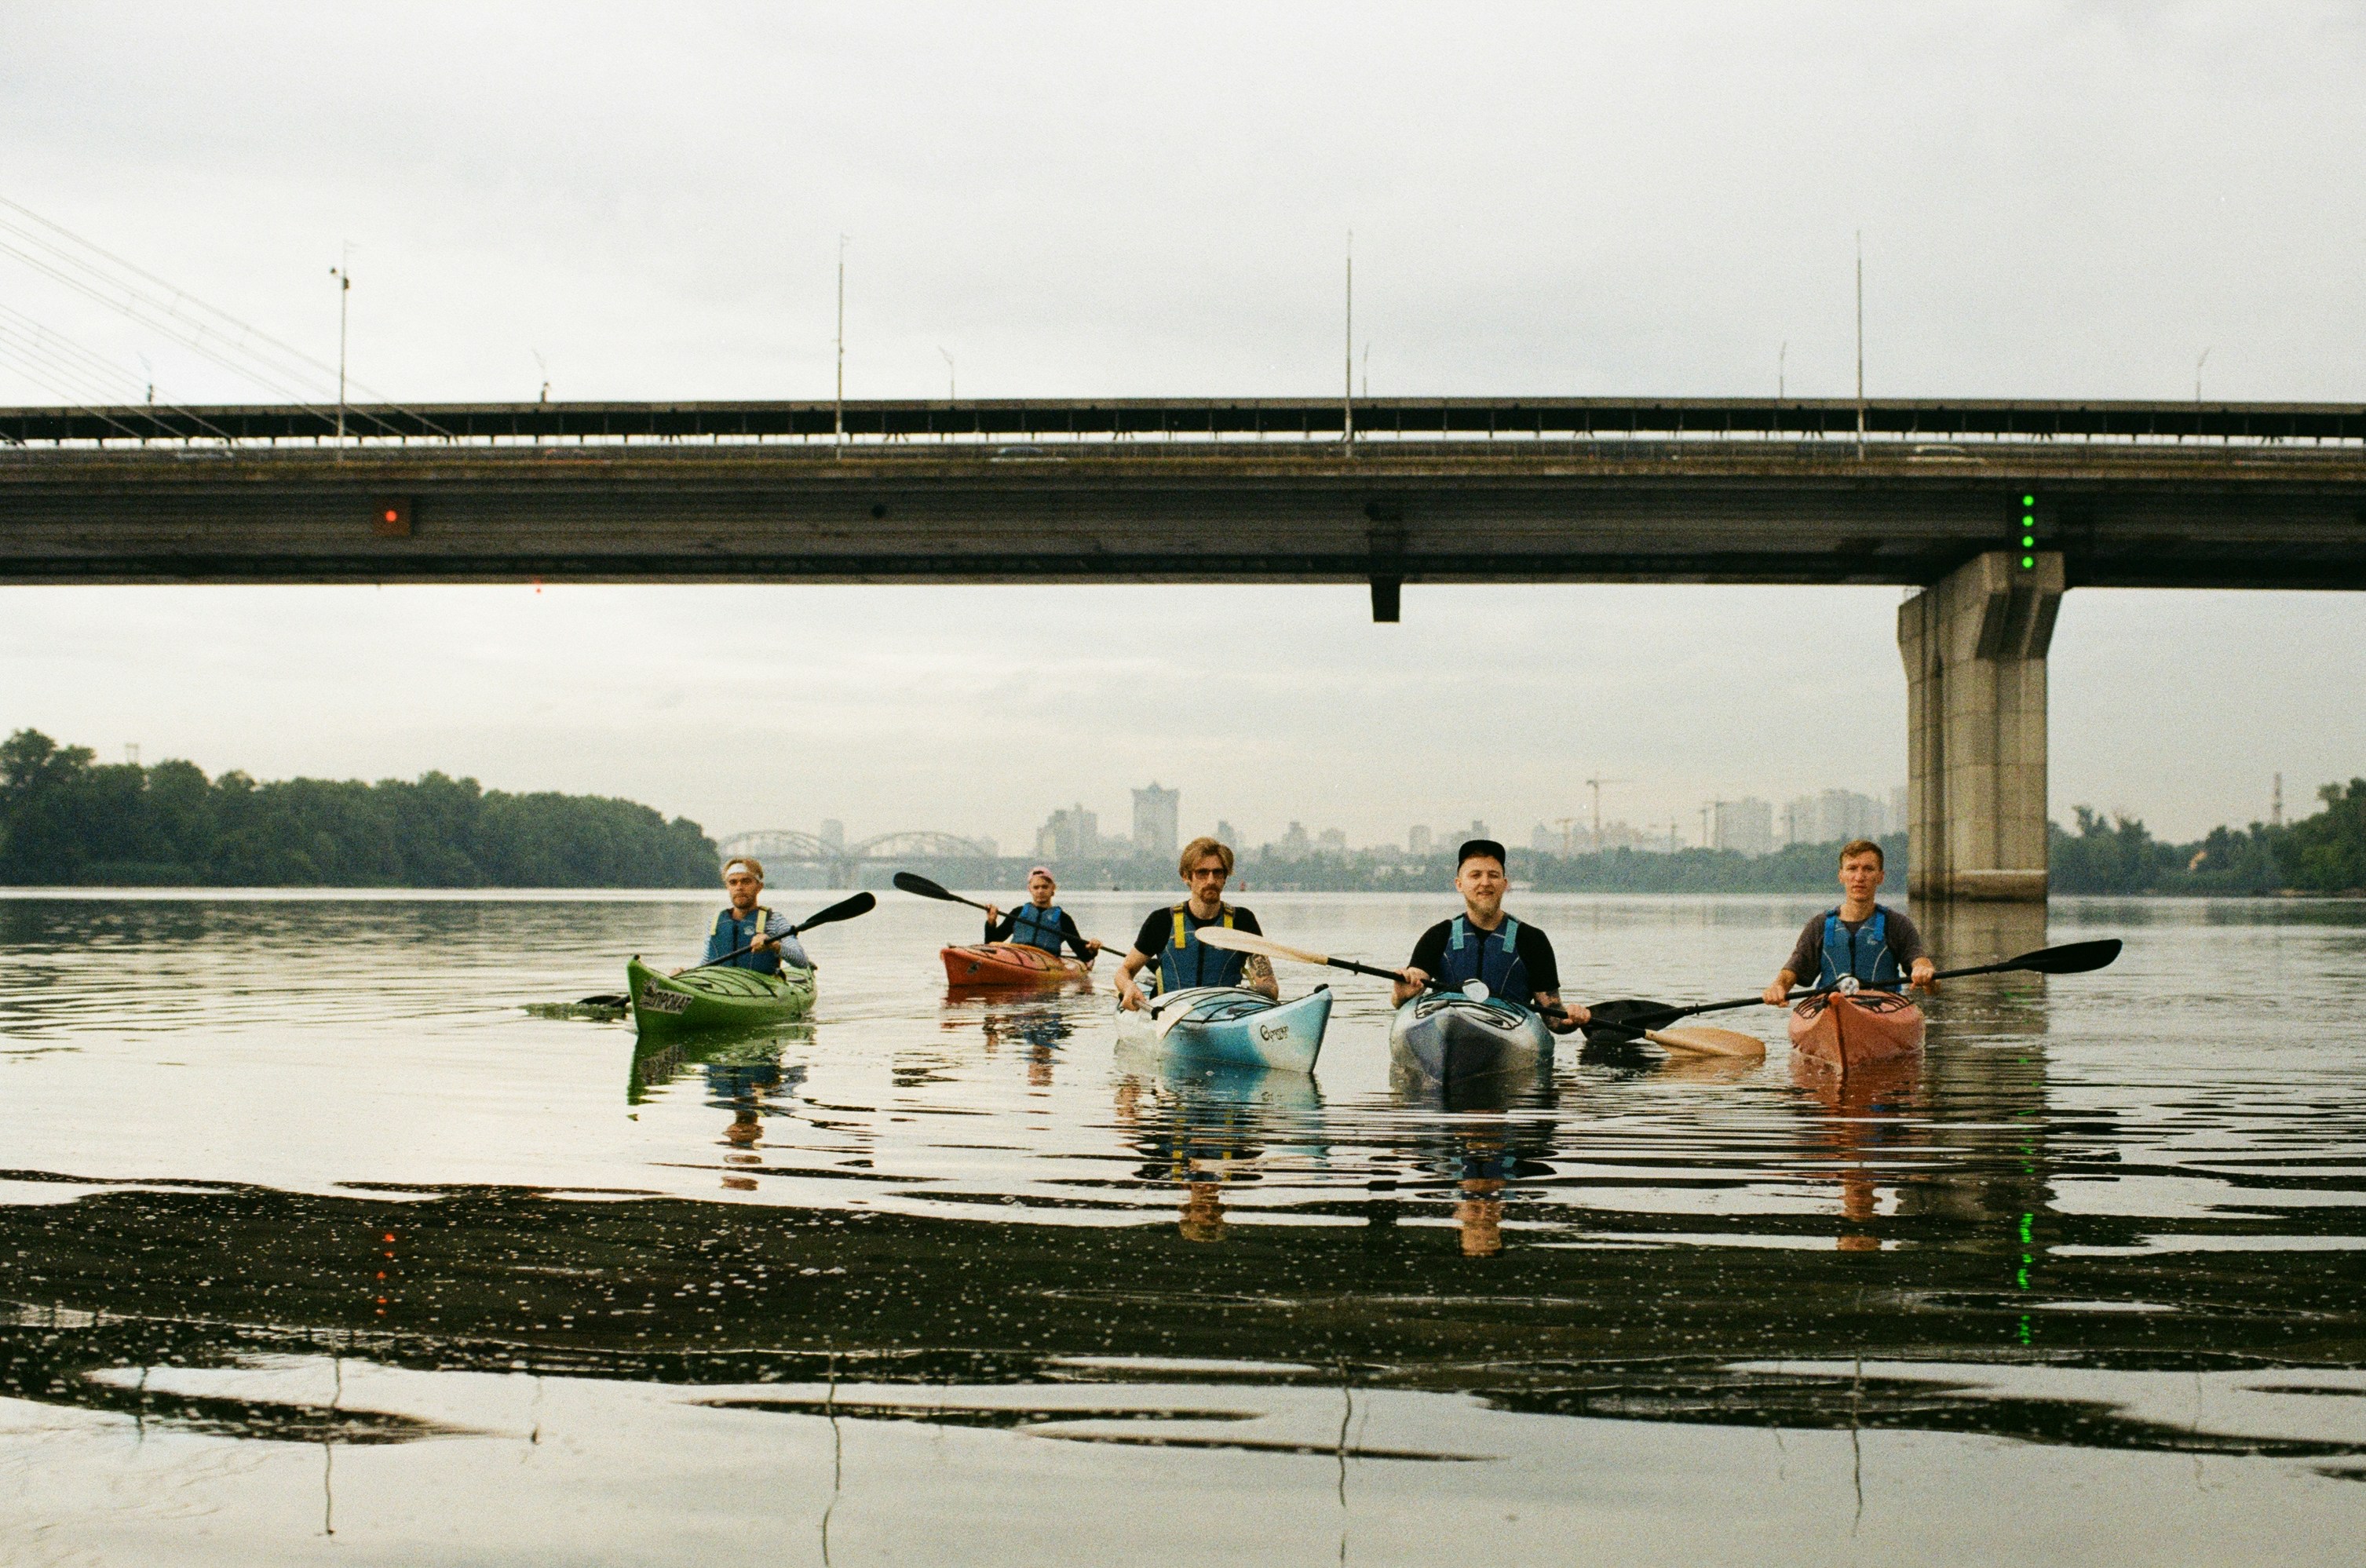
1258,975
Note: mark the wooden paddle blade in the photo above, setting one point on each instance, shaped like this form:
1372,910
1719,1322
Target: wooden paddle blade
1230,940
1703,1039
911,882
2072,959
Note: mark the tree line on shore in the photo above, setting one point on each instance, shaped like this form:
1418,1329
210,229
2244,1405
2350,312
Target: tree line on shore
69,820
2321,854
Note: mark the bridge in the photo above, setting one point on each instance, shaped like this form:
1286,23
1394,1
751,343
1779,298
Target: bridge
790,846
1993,508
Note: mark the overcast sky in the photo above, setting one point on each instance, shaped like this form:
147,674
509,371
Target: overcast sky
2056,201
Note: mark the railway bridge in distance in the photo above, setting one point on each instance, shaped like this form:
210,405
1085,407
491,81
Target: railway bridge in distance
842,862
1991,509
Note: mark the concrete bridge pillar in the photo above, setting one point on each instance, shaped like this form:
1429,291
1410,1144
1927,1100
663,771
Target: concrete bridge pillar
1974,649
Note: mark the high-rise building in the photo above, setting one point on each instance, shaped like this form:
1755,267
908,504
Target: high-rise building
1746,826
1843,814
1072,834
1227,835
833,834
1333,841
1618,835
1799,820
1546,839
1294,844
1417,840
1155,813
1900,812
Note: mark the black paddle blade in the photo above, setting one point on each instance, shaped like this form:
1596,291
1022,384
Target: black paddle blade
1624,1021
2072,959
910,882
1630,1014
860,903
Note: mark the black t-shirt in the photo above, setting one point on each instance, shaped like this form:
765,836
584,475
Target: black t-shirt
1159,929
1533,945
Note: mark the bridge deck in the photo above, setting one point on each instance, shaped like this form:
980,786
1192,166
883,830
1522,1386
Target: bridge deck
2284,506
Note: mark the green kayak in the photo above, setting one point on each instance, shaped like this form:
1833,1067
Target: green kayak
710,1001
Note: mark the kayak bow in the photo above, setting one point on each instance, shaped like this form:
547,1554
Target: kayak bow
706,1000
1230,1025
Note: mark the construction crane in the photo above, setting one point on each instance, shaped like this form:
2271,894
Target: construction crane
1595,785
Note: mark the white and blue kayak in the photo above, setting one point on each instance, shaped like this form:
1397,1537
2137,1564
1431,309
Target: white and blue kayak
1447,1035
1230,1027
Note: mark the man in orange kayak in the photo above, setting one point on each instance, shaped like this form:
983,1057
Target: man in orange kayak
1039,922
1881,948
1173,934
1513,960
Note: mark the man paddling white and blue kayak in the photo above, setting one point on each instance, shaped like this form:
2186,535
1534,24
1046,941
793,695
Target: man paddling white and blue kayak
1170,937
1216,1005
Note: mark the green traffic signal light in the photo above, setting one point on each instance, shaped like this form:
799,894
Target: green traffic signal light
2028,541
2029,562
2028,500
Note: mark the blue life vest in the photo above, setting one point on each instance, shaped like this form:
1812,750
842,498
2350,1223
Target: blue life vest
1867,950
1033,927
1186,960
1493,957
731,932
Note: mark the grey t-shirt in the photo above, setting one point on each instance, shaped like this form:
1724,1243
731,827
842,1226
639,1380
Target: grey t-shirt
1806,960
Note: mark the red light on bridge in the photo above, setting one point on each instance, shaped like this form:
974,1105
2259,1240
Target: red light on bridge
393,519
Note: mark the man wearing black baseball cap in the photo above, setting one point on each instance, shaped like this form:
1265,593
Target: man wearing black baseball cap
1513,960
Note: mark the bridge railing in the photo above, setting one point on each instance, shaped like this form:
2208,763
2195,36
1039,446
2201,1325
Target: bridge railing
1015,429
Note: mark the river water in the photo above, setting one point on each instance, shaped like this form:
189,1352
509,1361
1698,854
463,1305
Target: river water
325,1241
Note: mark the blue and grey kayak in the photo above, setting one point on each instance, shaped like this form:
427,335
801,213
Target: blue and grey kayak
1449,1036
1231,1027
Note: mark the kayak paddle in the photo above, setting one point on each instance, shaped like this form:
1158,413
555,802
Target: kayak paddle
1224,936
912,882
860,903
2071,959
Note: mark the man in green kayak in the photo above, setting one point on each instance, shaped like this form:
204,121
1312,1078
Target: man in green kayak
747,923
1172,934
1039,923
1871,941
1513,959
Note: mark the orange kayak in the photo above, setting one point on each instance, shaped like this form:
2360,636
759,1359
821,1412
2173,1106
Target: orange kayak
1848,1031
1009,963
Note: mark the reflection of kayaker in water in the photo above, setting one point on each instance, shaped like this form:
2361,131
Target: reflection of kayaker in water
1039,923
1881,948
1202,1218
1869,1123
744,1088
1515,961
1172,934
1479,1217
747,923
1040,1029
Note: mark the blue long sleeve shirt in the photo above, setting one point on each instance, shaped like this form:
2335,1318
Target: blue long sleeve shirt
731,933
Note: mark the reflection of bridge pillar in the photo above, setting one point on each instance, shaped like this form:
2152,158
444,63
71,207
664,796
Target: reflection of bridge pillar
1974,649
